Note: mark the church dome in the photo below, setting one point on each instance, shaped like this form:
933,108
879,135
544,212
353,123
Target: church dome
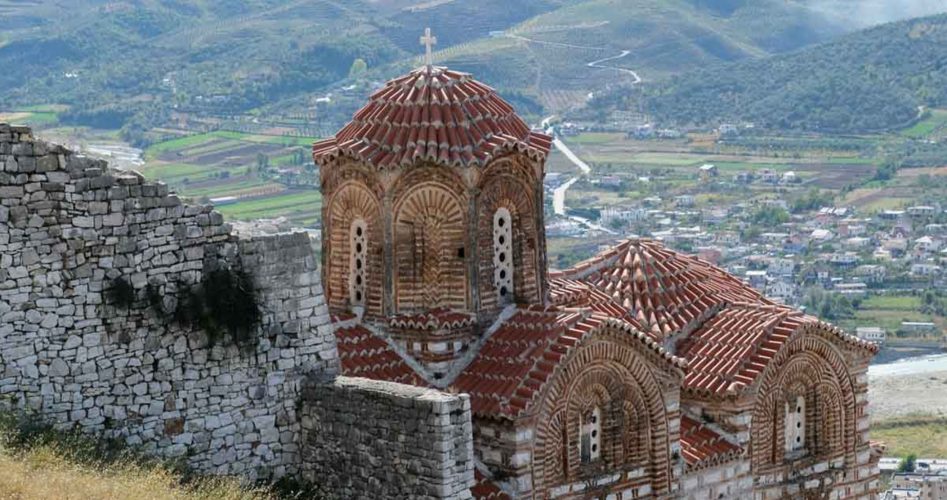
437,115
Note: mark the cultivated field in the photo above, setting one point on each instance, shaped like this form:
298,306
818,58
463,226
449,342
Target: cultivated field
252,172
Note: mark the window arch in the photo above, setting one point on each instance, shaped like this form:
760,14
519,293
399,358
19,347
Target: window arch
357,254
503,255
795,427
350,203
590,436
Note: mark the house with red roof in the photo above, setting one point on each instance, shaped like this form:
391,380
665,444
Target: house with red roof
639,373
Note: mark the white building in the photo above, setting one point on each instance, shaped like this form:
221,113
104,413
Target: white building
925,270
873,334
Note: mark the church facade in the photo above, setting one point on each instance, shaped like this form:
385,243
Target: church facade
638,373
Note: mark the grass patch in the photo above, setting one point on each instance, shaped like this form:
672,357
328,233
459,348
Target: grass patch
892,302
40,463
924,435
594,138
233,187
284,140
156,150
274,206
927,126
177,172
25,117
196,142
889,319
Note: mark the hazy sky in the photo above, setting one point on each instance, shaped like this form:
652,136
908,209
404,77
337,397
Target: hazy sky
869,12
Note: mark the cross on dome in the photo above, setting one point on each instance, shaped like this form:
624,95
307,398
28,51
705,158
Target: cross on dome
428,41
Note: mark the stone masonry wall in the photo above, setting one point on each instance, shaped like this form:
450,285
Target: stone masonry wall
367,439
69,228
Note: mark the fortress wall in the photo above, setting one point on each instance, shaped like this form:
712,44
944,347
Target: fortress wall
69,229
366,439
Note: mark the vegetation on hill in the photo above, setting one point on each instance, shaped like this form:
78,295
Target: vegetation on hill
136,64
868,81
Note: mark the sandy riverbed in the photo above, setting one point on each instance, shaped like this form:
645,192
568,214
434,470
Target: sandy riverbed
899,395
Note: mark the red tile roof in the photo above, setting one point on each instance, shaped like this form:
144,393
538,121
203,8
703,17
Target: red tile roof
362,354
516,362
665,291
730,350
729,330
433,114
571,293
485,489
702,446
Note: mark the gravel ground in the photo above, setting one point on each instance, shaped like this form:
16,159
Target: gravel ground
899,395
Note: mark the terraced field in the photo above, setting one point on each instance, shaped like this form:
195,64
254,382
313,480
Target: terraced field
245,173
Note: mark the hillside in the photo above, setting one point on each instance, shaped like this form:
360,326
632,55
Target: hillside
139,63
548,56
867,81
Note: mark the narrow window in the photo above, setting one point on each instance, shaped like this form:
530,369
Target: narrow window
796,425
590,436
357,252
503,255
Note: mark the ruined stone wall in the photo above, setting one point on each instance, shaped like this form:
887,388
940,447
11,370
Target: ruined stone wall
70,229
370,439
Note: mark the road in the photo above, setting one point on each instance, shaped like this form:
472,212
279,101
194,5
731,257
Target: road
598,64
559,194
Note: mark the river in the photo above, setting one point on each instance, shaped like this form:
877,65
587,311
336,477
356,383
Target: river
910,366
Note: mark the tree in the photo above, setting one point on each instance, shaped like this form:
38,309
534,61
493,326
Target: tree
770,216
909,463
358,68
262,164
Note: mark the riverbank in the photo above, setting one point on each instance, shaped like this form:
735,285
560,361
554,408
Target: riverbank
894,352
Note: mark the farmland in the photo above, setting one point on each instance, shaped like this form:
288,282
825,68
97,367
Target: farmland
672,168
268,175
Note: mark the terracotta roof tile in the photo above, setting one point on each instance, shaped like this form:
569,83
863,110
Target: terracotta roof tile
701,446
516,362
362,354
433,114
730,350
664,290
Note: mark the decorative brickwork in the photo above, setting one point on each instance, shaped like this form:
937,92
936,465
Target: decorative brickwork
353,202
510,185
430,249
637,411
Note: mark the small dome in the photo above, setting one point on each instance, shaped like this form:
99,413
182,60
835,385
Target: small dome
433,114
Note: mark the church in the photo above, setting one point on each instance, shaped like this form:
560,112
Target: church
639,373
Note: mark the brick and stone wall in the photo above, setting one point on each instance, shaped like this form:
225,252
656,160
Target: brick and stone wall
371,439
731,479
70,228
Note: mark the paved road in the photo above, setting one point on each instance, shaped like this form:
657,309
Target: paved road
598,64
559,194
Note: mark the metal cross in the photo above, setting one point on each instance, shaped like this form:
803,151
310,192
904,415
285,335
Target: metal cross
428,41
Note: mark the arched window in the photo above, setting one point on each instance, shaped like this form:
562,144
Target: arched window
590,436
795,433
357,262
503,255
